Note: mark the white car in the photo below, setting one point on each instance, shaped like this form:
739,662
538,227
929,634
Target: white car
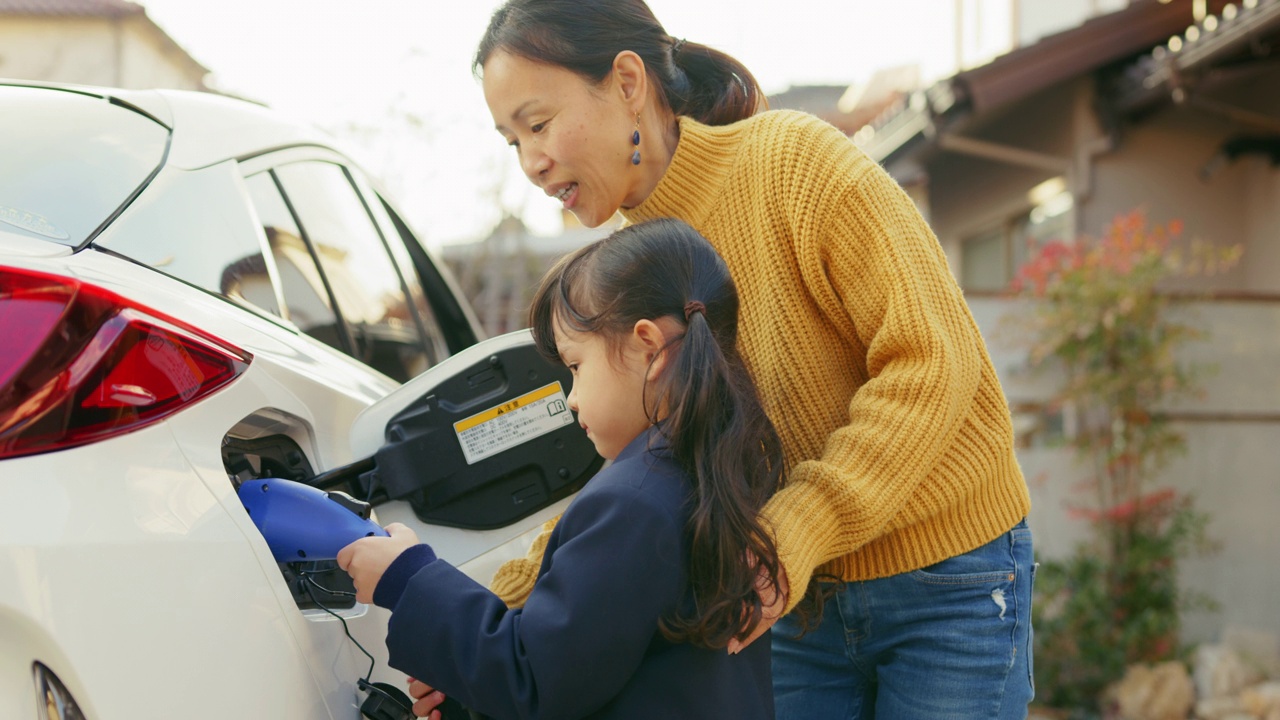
196,293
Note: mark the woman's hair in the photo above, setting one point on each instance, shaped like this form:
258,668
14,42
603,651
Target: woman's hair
585,36
703,403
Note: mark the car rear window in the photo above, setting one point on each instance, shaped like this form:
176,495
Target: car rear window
68,161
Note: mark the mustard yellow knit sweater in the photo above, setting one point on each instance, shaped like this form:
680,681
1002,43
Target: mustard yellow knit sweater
865,354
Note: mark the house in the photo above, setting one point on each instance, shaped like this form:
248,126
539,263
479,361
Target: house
500,273
1143,107
92,42
850,107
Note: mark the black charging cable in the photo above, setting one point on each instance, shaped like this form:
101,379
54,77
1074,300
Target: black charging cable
311,582
385,701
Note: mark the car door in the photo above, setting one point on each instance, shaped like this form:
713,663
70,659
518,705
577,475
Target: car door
348,277
351,274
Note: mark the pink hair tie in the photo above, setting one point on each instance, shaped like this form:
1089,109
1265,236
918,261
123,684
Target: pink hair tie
693,306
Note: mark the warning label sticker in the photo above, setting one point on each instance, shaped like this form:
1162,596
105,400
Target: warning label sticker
513,422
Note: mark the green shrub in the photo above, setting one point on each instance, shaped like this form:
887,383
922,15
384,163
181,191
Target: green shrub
1101,318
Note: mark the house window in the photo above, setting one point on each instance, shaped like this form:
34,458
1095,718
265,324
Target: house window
989,260
985,260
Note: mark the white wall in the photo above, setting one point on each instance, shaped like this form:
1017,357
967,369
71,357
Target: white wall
989,28
150,60
1157,166
1231,465
1262,226
70,50
1233,473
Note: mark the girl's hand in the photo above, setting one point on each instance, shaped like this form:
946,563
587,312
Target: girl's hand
425,699
366,559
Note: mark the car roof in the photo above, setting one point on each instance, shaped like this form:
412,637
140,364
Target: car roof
211,128
206,128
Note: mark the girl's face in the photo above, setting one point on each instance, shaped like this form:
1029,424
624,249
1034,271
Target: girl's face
573,138
608,387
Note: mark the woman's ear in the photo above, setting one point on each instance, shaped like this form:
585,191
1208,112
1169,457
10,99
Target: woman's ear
630,78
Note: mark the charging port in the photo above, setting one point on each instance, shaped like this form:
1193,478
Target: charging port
312,584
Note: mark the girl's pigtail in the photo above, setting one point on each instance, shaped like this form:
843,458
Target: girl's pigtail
717,427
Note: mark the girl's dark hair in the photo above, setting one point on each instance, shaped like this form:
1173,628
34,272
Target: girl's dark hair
714,422
586,35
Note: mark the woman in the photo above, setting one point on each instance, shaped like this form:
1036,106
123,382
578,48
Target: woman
904,500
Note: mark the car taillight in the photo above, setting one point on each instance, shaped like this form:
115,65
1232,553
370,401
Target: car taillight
79,364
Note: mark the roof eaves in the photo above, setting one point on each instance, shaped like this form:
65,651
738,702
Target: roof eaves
109,9
895,134
1022,72
1085,48
1153,75
919,116
102,9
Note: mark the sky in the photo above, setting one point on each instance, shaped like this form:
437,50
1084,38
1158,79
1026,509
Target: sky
392,78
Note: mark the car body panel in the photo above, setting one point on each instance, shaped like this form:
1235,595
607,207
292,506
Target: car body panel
138,557
18,245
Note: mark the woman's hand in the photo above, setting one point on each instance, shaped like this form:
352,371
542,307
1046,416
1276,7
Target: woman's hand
366,559
773,598
425,699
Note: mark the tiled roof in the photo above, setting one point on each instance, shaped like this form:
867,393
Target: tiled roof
70,8
1099,41
1158,72
1096,42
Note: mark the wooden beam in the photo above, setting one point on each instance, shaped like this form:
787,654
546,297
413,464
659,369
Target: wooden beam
1004,153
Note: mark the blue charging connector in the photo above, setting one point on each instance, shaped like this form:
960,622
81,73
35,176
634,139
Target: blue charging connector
302,523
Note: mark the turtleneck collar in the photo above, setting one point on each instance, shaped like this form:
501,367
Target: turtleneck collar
691,185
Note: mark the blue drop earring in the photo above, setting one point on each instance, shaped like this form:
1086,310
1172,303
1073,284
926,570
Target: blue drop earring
635,140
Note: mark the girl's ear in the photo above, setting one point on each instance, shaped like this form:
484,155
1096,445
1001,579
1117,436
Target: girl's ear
650,342
630,78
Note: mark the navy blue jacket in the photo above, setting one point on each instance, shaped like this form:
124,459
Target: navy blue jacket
586,644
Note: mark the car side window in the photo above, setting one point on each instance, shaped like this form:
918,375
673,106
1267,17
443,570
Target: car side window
196,228
306,299
367,291
436,341
458,328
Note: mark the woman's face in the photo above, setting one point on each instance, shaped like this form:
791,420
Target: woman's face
573,138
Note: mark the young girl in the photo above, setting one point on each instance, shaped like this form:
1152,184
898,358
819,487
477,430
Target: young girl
645,578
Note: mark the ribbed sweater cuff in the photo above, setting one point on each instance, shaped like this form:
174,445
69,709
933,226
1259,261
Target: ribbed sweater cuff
804,529
399,572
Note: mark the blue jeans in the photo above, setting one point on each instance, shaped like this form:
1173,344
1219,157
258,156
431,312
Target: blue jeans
948,641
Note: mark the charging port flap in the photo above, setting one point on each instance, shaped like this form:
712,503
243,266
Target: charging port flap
481,440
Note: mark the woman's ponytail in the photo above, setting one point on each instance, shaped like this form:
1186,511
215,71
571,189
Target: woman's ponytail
711,86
